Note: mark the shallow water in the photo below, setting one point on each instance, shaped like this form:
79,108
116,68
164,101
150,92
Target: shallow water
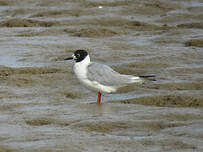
44,108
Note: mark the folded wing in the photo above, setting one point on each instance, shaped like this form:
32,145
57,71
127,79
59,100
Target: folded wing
105,75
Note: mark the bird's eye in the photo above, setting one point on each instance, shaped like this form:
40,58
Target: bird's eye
78,55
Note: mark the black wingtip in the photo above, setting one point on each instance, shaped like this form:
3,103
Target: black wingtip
148,77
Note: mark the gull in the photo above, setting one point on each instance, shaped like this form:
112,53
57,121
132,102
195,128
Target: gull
100,77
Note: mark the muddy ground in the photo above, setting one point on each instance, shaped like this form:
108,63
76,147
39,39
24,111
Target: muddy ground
44,108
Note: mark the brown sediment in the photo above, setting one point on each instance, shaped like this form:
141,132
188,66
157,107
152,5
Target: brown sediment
3,138
101,126
109,126
191,25
95,32
5,71
71,94
144,64
20,81
79,32
182,117
125,23
45,121
105,31
6,149
17,12
107,4
54,3
45,32
159,125
195,42
185,70
73,12
178,86
167,100
7,107
149,8
123,46
176,144
22,77
37,70
3,3
18,22
53,13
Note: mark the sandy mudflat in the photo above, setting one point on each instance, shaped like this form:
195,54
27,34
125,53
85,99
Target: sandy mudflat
44,108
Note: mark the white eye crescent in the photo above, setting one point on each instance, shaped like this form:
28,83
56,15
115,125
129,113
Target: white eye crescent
74,57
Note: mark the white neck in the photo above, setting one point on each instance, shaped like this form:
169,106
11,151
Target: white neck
80,68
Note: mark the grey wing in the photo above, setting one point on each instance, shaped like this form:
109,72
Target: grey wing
105,75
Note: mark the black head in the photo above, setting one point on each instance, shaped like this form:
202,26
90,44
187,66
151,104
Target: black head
78,55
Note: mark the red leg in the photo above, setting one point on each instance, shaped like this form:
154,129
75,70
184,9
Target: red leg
99,98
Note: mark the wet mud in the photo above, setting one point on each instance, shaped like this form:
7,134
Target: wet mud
168,100
44,108
26,23
195,42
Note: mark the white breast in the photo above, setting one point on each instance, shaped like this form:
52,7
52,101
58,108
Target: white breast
80,68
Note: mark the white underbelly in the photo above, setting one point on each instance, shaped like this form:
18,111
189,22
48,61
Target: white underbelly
95,86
